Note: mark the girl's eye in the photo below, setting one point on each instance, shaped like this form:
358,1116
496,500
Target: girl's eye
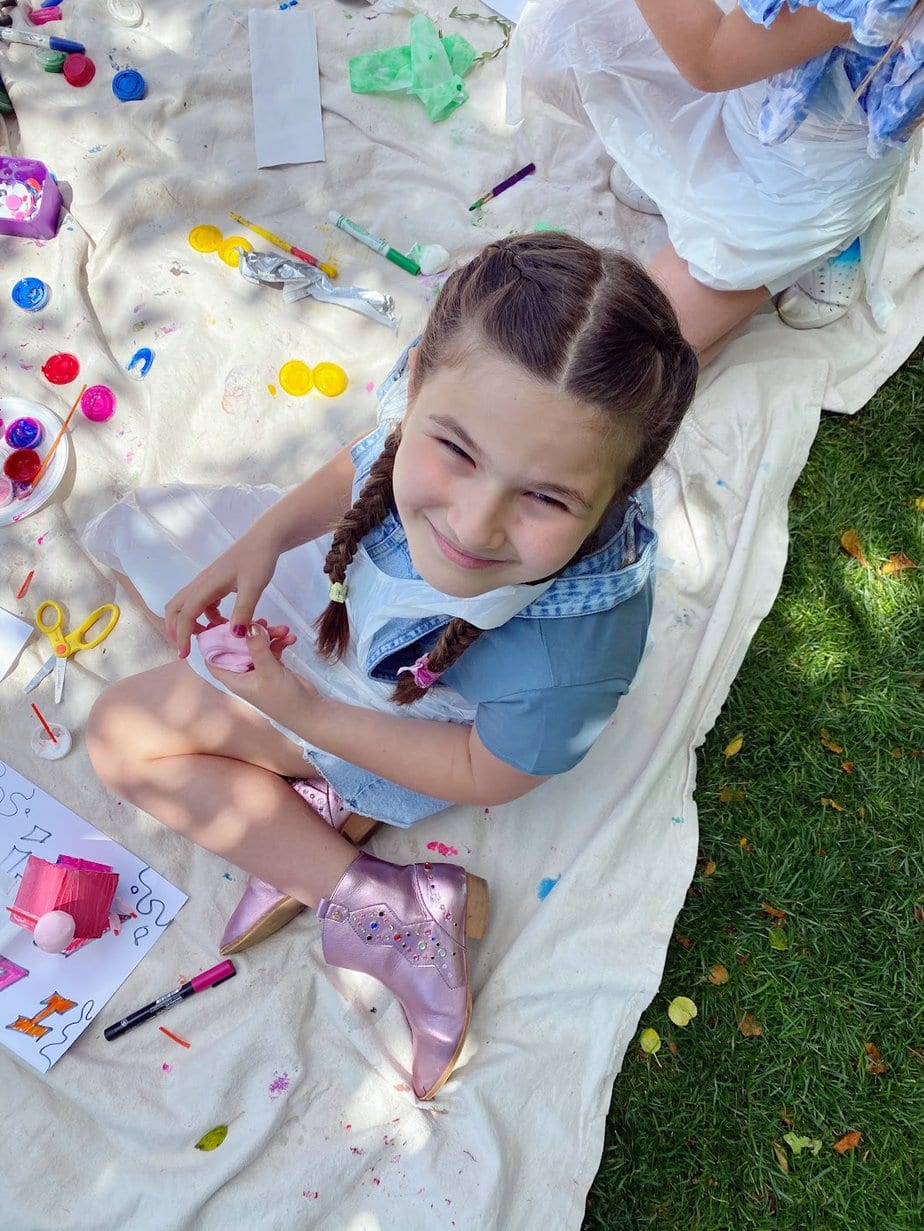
549,501
454,448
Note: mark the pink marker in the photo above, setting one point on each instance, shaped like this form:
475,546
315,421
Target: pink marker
198,983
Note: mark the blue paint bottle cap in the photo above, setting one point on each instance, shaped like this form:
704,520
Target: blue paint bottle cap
128,85
30,294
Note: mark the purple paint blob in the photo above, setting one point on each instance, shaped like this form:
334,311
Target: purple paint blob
279,1085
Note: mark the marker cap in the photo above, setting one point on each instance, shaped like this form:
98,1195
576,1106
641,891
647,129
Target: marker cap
128,85
209,978
30,294
398,258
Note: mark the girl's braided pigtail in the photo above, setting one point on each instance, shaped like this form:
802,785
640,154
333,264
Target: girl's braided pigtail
370,510
414,681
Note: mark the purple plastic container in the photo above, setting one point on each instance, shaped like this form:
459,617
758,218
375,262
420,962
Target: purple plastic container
30,200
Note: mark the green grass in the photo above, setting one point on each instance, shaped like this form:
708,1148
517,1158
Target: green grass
690,1135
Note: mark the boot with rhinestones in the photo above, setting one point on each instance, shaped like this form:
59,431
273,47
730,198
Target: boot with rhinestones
264,909
408,925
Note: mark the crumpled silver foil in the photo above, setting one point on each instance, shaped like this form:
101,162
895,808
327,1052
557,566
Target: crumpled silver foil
300,280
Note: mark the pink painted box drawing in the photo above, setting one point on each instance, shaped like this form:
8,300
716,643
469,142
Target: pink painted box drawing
82,889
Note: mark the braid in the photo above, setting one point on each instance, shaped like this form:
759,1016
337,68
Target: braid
371,508
454,640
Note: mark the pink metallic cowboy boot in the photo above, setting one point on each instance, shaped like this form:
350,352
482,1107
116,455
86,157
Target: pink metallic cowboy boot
407,925
263,909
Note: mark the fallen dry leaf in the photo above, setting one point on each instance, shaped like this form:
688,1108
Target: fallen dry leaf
896,563
749,1027
709,869
850,541
773,911
682,1010
874,1062
649,1041
728,795
718,974
828,742
849,1141
685,941
781,1156
734,747
848,767
832,803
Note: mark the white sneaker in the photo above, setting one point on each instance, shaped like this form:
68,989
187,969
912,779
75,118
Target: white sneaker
825,294
629,193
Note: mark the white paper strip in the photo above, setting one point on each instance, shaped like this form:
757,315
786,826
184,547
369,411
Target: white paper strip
286,87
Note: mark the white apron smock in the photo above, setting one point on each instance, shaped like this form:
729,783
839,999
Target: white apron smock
740,213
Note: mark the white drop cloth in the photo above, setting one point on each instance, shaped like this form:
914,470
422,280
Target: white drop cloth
309,1065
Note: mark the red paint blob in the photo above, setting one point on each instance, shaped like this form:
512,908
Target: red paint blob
22,465
61,369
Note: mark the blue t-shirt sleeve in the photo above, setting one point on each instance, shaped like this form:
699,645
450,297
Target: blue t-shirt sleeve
548,730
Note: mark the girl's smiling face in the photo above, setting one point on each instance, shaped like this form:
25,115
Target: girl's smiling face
499,477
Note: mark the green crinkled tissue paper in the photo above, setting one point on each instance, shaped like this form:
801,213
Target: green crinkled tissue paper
428,66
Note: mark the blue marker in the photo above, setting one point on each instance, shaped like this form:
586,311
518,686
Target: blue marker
33,39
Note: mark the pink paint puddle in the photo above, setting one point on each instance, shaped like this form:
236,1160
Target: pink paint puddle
279,1085
442,848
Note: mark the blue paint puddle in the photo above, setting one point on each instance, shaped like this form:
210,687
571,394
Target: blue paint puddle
678,820
721,483
546,885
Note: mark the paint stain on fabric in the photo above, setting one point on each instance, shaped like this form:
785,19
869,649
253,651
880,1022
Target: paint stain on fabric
370,386
310,1194
546,885
678,820
442,848
165,1068
279,1085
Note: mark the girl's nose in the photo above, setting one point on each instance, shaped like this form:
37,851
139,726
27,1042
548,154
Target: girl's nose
478,522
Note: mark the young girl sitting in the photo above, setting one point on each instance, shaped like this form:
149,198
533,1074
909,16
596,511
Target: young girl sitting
770,138
483,603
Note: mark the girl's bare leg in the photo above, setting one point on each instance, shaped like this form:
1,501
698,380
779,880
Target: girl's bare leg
209,766
708,318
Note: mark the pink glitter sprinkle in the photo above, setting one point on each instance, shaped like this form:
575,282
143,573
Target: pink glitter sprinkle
279,1085
442,848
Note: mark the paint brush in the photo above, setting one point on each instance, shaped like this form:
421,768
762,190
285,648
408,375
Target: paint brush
38,714
57,440
330,270
504,185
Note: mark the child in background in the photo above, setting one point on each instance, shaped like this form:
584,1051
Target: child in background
770,138
481,605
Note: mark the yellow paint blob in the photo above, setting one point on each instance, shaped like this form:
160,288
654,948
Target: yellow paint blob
330,379
205,238
295,377
230,251
272,390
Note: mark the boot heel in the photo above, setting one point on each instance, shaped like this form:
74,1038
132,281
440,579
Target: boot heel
358,828
476,916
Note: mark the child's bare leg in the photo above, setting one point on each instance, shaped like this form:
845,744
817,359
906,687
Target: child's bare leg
708,318
156,620
209,766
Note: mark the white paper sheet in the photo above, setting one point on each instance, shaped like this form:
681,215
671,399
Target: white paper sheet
14,633
47,1000
286,87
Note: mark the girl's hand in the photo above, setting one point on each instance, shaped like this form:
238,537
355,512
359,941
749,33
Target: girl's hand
270,686
245,569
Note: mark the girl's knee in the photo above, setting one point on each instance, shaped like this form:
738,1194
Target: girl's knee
109,732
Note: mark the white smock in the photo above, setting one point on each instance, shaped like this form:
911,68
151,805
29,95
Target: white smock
161,538
742,214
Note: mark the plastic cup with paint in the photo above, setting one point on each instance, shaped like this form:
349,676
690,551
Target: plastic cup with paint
22,465
98,403
79,70
205,238
49,61
126,13
232,249
51,749
329,379
140,363
61,369
25,433
6,491
295,378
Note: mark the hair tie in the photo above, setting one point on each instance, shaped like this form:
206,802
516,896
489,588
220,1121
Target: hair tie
423,676
337,591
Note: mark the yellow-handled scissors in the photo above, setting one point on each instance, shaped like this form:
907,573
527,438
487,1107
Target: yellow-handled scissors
49,619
